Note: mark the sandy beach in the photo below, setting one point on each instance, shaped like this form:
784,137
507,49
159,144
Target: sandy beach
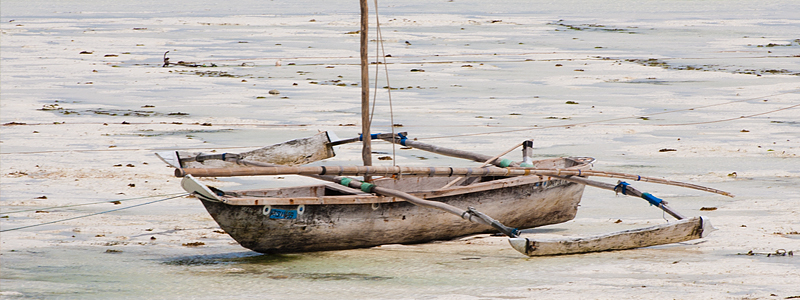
706,92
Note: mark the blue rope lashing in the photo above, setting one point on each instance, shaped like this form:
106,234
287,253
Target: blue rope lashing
345,181
367,187
403,138
652,199
373,136
622,185
505,163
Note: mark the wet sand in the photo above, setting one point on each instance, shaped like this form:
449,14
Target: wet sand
697,92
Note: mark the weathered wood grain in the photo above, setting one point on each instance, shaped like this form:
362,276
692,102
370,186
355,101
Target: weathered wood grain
335,227
679,231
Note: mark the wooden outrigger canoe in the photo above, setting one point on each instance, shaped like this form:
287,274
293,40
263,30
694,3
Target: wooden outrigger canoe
332,217
407,209
345,215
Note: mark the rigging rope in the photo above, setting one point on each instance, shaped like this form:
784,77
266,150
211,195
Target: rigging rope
94,214
90,203
388,84
380,49
731,119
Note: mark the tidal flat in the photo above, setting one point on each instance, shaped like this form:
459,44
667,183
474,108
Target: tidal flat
87,97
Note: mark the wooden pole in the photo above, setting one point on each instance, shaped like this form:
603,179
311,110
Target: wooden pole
347,171
427,171
561,173
451,183
366,150
441,150
629,191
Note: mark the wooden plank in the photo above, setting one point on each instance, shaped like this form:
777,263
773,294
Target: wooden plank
270,196
412,183
298,191
283,192
485,186
683,230
308,200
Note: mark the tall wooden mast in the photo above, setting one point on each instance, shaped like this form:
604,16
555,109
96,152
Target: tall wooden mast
366,151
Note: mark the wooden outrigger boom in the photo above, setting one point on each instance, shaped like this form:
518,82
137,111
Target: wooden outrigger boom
565,174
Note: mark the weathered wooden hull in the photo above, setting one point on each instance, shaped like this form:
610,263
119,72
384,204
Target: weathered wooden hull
519,202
